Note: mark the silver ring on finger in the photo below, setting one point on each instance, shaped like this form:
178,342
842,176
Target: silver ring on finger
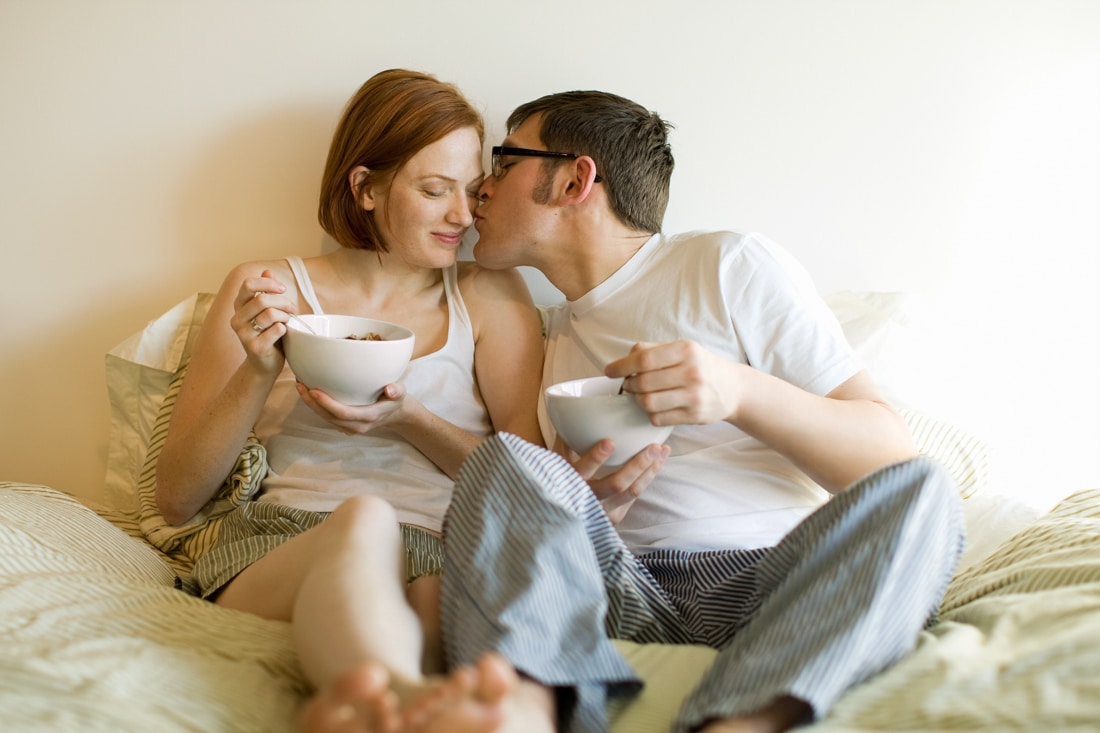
256,327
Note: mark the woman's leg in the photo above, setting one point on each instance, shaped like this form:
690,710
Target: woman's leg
342,584
360,634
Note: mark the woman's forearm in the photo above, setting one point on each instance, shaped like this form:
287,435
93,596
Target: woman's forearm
203,444
442,442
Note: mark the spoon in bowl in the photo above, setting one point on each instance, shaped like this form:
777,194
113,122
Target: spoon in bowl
304,324
302,321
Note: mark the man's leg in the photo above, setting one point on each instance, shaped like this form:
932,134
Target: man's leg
843,596
535,571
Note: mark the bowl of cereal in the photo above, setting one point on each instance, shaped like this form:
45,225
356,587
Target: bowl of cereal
349,358
585,411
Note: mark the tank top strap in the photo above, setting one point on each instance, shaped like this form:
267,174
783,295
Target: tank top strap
305,285
455,305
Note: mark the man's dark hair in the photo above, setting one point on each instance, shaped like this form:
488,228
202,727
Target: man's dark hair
628,143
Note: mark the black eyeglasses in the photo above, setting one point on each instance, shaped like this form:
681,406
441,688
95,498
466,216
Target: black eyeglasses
501,150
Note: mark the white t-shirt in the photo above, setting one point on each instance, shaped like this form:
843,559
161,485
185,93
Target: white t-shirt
744,298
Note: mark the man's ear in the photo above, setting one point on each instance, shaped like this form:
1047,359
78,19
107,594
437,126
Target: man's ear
363,192
582,177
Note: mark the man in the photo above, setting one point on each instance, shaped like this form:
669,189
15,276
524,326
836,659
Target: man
790,524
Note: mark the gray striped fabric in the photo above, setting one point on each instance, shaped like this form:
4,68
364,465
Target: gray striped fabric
537,572
256,528
186,542
844,596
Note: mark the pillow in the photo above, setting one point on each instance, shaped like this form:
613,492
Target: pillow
39,525
95,638
965,456
1060,550
879,326
139,372
144,375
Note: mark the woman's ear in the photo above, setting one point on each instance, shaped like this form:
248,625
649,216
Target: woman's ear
363,191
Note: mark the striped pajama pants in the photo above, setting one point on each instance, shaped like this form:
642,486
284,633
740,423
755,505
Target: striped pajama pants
535,571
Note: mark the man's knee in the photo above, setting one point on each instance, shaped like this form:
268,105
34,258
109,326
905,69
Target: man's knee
929,481
924,492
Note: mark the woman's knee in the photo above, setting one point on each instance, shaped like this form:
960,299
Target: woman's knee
362,518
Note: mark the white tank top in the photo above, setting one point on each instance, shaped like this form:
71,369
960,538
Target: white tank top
314,466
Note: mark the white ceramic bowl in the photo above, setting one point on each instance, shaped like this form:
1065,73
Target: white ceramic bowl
350,370
585,411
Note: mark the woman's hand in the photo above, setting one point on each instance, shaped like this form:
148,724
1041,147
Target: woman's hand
261,311
390,409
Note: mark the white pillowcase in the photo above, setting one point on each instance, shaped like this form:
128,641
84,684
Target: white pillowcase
139,372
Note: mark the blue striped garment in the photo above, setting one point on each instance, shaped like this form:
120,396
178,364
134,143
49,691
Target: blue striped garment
535,570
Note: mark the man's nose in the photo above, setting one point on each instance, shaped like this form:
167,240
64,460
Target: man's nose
483,191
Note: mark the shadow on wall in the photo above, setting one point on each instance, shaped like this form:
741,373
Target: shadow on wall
248,191
253,194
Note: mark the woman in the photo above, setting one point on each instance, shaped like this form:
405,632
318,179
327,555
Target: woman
398,193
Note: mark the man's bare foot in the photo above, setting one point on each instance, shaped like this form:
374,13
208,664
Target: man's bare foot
470,700
781,715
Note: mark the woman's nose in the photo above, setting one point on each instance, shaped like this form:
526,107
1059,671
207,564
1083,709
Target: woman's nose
463,212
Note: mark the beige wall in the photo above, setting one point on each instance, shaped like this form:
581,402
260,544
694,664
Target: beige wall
948,149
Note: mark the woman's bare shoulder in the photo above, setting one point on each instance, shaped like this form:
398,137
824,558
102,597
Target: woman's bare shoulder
479,281
280,269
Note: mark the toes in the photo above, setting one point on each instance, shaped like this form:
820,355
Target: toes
495,678
360,700
366,681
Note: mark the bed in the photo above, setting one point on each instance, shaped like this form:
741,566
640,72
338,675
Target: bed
98,633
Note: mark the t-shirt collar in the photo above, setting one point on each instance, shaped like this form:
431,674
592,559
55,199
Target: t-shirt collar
618,279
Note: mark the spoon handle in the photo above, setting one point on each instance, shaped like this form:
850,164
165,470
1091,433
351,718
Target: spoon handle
304,324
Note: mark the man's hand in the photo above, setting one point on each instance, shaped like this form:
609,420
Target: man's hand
618,490
679,382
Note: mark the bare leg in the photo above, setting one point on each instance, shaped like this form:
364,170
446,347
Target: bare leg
423,594
342,584
365,640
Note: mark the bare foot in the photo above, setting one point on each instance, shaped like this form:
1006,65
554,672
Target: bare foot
470,700
781,715
361,700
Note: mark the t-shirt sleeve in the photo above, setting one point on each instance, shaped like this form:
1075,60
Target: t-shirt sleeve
785,328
